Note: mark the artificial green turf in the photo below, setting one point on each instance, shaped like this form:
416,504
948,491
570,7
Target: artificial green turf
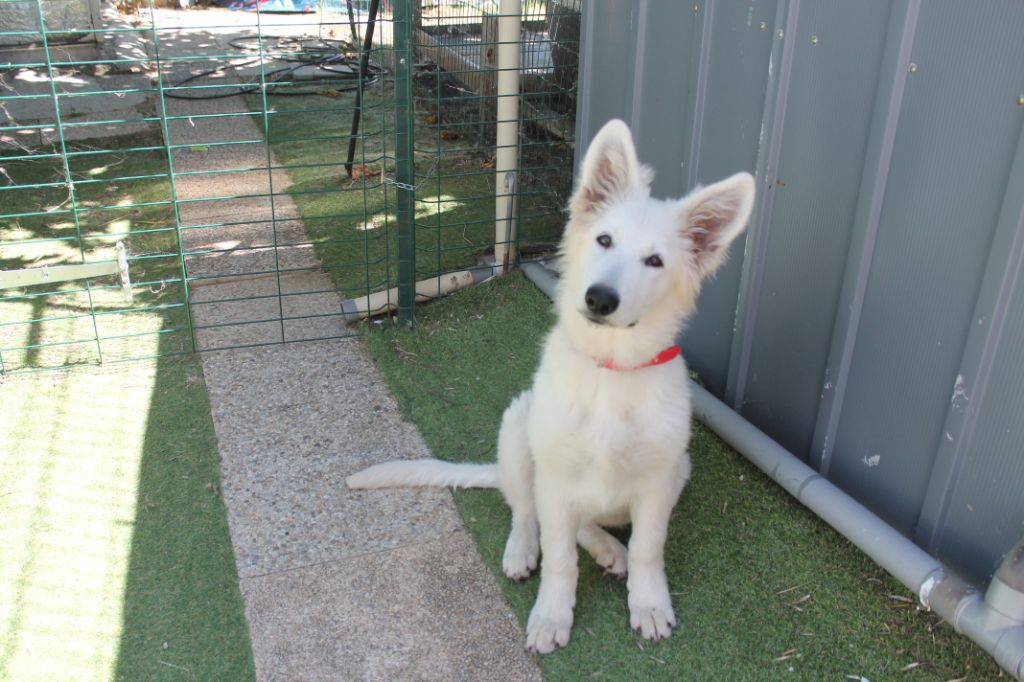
762,588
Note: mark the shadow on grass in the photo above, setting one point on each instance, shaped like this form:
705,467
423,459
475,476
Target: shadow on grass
183,615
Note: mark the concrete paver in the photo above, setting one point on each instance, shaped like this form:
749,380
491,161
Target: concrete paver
313,414
379,619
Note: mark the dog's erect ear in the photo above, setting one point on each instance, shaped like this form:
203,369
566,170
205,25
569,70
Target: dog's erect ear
610,171
715,215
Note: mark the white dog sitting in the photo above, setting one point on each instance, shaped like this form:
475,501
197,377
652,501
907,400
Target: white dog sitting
600,439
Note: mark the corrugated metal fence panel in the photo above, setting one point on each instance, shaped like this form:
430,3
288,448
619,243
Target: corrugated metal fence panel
723,139
981,509
662,60
952,155
607,58
837,49
884,135
973,497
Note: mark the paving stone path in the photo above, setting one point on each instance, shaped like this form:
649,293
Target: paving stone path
338,585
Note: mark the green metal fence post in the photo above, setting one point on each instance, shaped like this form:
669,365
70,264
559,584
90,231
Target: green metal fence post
165,130
69,179
405,168
265,105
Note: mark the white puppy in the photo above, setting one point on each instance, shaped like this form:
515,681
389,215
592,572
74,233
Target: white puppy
600,439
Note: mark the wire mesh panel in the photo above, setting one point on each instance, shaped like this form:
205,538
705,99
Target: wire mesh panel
215,144
455,88
273,210
266,171
80,169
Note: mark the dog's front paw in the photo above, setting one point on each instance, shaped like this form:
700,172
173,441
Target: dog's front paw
652,621
521,553
650,606
547,629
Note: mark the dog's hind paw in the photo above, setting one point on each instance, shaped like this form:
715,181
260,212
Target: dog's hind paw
614,571
614,561
652,622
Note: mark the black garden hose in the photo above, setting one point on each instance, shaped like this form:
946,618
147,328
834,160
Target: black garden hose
337,68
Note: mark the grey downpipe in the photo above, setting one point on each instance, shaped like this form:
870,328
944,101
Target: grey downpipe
544,278
995,620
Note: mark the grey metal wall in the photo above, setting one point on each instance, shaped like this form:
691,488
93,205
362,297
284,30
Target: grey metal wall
873,322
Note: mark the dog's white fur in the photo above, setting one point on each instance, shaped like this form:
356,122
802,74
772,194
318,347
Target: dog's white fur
587,446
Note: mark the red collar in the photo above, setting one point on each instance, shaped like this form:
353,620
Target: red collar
670,353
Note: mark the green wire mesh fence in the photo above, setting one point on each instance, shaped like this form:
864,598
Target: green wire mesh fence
455,89
265,172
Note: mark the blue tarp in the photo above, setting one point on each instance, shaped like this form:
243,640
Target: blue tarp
270,5
339,6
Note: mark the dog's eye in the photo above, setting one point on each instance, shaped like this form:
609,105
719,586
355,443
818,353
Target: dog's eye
604,240
653,261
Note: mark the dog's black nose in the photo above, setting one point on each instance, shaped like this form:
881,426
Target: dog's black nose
602,300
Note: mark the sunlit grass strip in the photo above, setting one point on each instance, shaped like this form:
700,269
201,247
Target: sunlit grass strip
70,470
117,563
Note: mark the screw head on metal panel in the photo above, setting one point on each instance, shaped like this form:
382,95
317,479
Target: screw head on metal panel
696,8
912,68
814,40
780,34
763,25
1020,100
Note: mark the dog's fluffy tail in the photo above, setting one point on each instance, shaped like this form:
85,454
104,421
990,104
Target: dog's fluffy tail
425,472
